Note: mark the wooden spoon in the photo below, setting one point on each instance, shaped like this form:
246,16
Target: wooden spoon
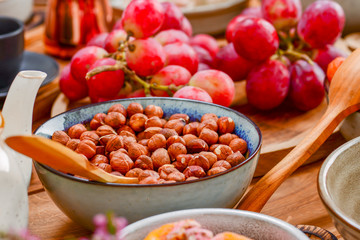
59,157
344,99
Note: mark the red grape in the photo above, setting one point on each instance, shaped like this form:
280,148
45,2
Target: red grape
217,84
333,66
205,41
137,93
98,40
112,42
203,66
307,85
231,26
186,26
203,55
324,56
118,25
255,39
171,74
173,16
143,18
72,89
83,59
252,12
283,14
106,84
171,36
321,23
193,93
145,56
228,61
268,84
183,55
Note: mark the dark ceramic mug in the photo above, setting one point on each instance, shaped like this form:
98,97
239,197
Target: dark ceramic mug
11,49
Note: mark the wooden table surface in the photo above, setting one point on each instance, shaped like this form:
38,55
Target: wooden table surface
296,201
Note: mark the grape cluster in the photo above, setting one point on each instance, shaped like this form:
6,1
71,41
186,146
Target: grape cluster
281,52
149,52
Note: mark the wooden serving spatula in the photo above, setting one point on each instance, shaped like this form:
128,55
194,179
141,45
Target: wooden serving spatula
344,99
61,158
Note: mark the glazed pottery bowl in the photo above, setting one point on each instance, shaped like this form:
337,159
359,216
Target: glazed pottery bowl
250,224
339,188
81,199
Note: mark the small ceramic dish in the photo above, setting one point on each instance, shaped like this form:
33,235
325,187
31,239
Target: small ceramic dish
81,199
339,188
250,224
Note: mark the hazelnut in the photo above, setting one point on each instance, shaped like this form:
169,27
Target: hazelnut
194,171
97,121
128,141
137,122
212,147
73,143
175,139
135,150
121,163
156,141
87,148
176,124
200,160
180,116
100,150
163,121
182,161
175,176
104,130
191,178
210,124
209,136
191,128
114,143
76,130
154,122
90,135
197,145
207,116
116,173
227,138
152,110
135,172
106,138
211,157
125,128
148,173
134,108
222,163
176,149
99,159
144,162
235,158
140,136
125,133
119,151
151,131
61,137
144,142
149,180
160,157
167,132
188,137
222,152
115,119
118,108
216,170
165,170
238,144
104,166
226,125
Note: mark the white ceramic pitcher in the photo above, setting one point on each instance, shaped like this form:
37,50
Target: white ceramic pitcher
15,168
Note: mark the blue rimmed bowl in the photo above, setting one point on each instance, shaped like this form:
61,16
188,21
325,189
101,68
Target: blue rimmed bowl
81,199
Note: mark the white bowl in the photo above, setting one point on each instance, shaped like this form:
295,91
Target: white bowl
253,225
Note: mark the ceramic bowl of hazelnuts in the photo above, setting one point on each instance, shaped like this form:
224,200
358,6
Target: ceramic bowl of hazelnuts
185,154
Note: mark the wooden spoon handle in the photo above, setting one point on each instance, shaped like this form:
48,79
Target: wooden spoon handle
259,194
